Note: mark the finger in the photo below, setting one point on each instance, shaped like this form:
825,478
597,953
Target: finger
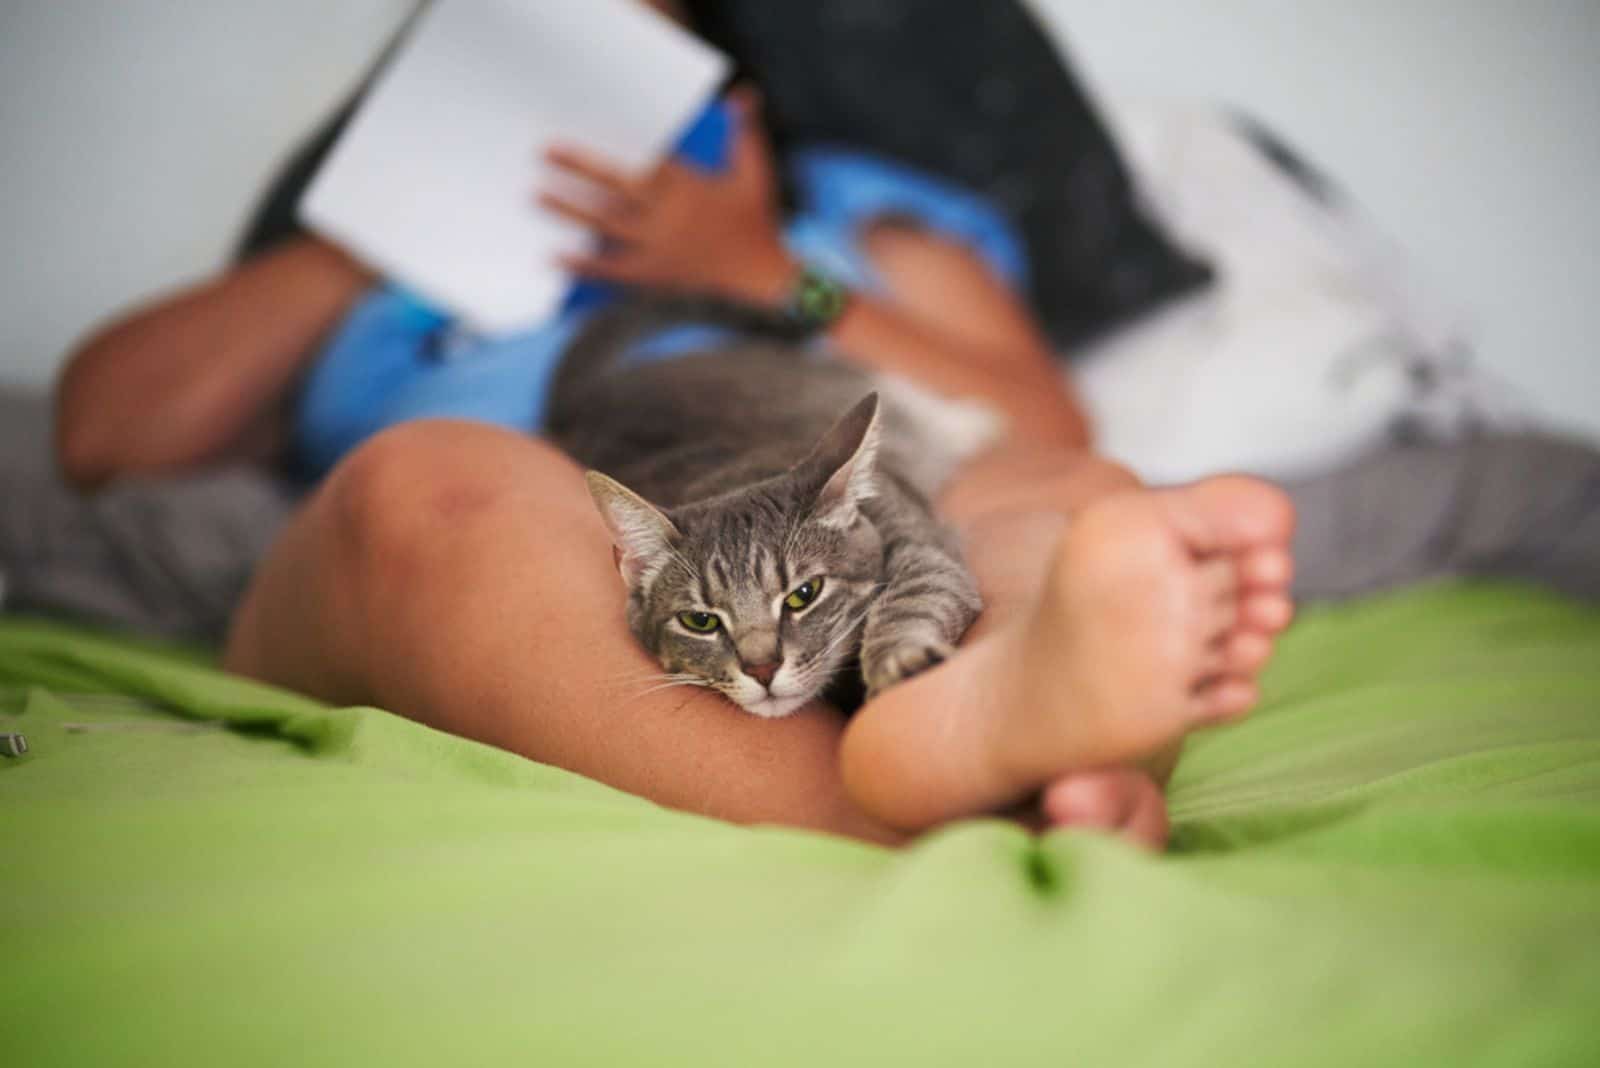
751,160
745,100
604,267
607,221
601,172
668,176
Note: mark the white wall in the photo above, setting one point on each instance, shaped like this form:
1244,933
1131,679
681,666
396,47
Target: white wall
134,133
134,136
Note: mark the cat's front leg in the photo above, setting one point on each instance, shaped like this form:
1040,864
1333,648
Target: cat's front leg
898,657
927,605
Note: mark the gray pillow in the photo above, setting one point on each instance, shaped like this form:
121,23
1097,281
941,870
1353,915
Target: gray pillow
166,557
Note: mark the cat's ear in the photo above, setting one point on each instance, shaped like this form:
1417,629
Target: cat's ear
641,532
845,462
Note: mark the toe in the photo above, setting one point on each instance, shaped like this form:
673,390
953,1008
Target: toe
1244,652
1147,825
1267,612
1122,801
1095,799
1266,567
1231,513
1265,513
1224,698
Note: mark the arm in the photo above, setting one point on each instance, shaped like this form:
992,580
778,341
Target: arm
201,375
946,322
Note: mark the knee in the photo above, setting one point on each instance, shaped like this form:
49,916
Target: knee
385,483
408,491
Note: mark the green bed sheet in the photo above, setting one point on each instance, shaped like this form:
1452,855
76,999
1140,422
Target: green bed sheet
1395,861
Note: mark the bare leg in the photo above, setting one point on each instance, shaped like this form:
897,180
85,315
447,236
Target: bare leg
459,575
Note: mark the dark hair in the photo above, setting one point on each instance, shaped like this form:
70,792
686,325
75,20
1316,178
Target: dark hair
979,95
273,219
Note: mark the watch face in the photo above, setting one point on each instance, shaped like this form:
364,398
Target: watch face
820,299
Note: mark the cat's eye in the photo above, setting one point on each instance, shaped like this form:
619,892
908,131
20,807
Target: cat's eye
700,622
803,594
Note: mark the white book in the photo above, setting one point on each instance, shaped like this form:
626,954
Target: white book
433,181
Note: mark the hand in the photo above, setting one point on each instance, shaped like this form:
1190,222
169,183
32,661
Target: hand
682,228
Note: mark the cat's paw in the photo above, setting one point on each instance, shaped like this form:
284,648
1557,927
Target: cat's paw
893,663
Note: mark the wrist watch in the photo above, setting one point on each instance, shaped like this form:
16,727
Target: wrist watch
816,301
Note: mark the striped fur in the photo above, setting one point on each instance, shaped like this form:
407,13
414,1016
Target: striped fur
731,480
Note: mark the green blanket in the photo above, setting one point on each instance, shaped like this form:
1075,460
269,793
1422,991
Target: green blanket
1396,860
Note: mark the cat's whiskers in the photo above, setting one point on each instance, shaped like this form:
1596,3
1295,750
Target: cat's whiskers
653,676
849,629
650,676
692,680
819,664
625,688
665,676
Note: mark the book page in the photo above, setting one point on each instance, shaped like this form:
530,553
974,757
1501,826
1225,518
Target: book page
434,180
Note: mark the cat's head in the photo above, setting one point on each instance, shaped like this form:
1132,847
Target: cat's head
760,593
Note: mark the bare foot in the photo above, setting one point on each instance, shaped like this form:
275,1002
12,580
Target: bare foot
1124,802
1154,616
1160,609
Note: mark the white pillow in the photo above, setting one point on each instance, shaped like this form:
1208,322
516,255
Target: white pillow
1312,343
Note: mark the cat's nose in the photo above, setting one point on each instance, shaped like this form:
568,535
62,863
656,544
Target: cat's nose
762,673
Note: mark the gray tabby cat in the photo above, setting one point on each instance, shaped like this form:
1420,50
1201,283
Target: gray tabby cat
773,549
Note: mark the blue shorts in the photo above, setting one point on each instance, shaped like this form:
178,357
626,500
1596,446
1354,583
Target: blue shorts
393,359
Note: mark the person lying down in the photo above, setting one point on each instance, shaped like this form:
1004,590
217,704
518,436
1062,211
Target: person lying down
784,510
